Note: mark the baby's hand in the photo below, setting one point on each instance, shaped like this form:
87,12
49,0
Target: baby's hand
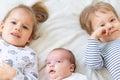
7,72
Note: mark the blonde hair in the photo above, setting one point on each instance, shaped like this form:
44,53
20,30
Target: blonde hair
89,11
70,57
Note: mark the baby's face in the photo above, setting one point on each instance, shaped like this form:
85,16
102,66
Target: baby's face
109,21
58,65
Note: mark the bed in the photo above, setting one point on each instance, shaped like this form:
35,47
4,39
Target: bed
62,29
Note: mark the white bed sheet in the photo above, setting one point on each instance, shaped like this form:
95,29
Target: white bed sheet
62,29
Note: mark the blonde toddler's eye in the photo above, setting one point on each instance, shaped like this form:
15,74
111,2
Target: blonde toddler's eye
13,22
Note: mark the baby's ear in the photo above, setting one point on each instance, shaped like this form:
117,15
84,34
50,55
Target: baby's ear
72,68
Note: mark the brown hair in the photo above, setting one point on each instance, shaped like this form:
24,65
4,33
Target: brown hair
38,11
89,11
41,11
28,9
71,57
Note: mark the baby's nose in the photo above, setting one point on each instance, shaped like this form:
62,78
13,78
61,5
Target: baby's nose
51,65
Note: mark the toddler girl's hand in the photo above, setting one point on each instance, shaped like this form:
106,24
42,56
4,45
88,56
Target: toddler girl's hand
7,72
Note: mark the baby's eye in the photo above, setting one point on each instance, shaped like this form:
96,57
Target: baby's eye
47,63
58,61
25,27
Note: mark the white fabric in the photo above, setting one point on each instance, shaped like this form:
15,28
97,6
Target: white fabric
76,76
62,29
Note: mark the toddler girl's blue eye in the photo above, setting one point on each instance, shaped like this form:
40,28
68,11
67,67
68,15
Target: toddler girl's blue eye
102,25
25,27
112,20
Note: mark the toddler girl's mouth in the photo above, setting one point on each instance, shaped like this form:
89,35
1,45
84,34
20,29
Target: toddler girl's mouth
15,34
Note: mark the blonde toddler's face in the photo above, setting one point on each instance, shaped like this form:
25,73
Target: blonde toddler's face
106,25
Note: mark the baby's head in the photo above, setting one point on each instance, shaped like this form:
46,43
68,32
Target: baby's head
87,15
60,63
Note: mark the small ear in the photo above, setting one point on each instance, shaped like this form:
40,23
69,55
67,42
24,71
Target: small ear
1,26
119,19
72,67
29,40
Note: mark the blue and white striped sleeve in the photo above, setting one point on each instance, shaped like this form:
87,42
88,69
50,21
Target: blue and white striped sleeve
93,56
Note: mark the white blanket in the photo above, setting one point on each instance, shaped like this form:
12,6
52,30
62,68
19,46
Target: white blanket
62,29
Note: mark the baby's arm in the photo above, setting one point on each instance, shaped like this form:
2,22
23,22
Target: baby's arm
93,56
7,72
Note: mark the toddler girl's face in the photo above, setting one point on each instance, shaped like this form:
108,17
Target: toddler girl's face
17,28
58,65
109,21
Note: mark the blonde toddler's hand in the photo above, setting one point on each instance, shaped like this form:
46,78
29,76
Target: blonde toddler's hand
100,32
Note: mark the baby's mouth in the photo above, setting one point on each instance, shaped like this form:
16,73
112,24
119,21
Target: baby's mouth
52,71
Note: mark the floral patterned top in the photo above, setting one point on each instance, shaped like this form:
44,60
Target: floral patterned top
23,59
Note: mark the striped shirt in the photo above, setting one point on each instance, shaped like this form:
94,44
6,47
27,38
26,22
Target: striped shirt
107,54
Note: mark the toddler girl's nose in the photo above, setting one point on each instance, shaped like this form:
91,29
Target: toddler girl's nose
18,28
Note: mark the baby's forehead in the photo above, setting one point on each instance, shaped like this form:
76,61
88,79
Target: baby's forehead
59,54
